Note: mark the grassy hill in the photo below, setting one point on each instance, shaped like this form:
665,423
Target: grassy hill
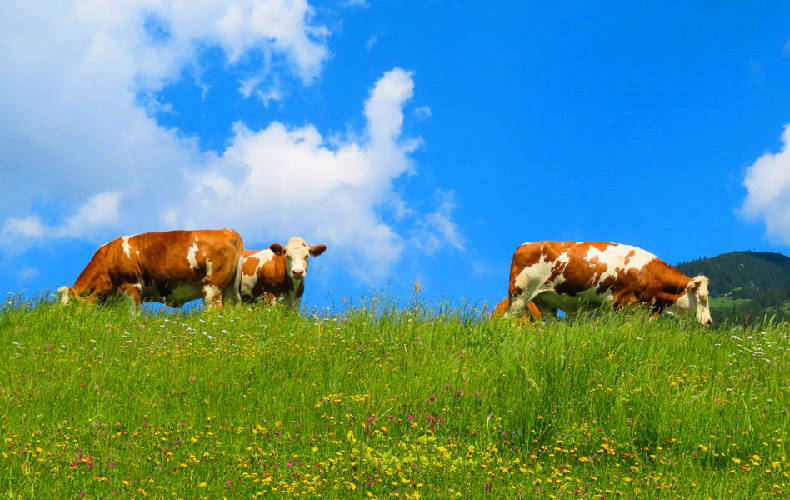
746,286
379,402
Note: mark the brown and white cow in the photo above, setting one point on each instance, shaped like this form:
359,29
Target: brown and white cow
172,267
567,274
277,273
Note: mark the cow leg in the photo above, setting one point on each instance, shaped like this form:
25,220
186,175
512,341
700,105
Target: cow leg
534,311
212,296
231,293
545,309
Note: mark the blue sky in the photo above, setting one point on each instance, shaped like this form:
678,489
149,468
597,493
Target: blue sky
420,141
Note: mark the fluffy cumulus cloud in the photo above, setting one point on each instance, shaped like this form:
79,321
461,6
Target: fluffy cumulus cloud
767,183
77,138
272,180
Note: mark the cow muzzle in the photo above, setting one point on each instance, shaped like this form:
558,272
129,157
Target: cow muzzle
298,272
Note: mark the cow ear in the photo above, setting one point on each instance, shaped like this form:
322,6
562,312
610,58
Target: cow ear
692,286
276,248
317,250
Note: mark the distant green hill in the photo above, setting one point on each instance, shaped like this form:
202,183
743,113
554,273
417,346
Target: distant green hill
746,286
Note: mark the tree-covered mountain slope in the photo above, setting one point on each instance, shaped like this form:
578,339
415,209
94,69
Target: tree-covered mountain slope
745,285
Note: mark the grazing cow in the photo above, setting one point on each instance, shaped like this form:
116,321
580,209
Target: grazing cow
565,274
172,267
277,272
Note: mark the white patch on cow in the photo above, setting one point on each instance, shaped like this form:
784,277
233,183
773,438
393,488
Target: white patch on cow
192,255
208,268
532,282
617,259
127,248
210,293
248,281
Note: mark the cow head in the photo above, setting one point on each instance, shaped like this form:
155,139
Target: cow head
697,290
65,293
297,254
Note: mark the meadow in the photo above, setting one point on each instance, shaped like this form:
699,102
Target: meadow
382,400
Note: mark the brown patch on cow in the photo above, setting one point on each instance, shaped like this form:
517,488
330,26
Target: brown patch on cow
158,263
250,263
628,257
581,273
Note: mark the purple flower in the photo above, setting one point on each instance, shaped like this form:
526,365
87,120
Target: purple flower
432,399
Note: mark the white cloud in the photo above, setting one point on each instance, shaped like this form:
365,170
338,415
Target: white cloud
25,227
372,41
80,80
98,212
767,183
249,86
438,227
101,210
78,139
423,112
268,95
281,178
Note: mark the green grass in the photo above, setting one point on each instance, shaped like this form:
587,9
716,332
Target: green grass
383,402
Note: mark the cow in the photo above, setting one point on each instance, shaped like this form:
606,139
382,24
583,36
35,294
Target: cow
566,274
172,267
277,273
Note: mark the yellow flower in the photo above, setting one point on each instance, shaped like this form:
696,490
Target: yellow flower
203,484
